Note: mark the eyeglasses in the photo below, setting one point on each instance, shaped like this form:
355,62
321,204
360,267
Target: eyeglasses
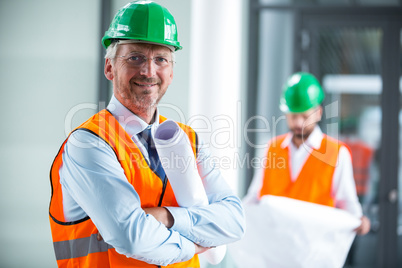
138,59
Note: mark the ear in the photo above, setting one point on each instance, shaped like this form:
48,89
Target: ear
108,70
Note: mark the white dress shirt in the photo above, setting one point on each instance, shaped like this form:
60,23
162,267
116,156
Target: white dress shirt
343,184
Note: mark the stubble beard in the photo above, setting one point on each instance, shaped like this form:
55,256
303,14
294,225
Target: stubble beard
302,135
145,100
142,103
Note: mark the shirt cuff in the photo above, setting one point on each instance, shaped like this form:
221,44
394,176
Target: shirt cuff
182,222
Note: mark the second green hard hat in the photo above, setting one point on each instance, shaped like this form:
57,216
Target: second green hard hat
144,21
301,92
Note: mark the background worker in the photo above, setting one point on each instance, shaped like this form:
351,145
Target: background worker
318,168
112,204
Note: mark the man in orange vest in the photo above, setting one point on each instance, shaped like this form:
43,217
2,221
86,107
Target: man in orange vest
112,204
309,165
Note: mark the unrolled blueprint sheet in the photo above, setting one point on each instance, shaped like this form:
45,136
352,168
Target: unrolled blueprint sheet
179,163
283,232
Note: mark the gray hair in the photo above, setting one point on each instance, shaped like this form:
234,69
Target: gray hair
111,51
112,48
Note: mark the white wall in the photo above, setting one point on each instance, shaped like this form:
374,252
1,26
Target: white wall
48,65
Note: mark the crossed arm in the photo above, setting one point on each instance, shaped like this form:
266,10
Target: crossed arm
163,215
94,184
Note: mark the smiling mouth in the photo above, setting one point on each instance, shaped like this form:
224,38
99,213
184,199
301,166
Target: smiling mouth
145,85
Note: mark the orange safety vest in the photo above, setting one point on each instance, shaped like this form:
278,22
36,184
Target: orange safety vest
75,243
362,156
314,183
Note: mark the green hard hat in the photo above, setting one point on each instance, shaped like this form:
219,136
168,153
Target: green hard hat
301,92
144,21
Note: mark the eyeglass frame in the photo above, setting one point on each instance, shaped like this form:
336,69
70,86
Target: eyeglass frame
145,59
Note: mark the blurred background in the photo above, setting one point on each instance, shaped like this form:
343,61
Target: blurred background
227,82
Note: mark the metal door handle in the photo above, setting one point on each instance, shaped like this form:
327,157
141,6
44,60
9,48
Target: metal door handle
393,196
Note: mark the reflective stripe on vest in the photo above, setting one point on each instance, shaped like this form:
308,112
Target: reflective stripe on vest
75,243
79,247
314,183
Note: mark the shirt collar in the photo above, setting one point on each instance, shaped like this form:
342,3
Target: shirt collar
313,141
130,122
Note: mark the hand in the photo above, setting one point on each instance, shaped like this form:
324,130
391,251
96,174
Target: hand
200,249
364,227
162,215
99,237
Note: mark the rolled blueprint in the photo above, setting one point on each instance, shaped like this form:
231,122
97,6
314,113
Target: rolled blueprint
178,161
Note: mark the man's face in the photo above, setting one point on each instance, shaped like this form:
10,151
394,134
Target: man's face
302,124
140,87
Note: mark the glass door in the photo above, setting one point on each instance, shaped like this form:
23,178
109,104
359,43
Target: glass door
350,73
355,58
